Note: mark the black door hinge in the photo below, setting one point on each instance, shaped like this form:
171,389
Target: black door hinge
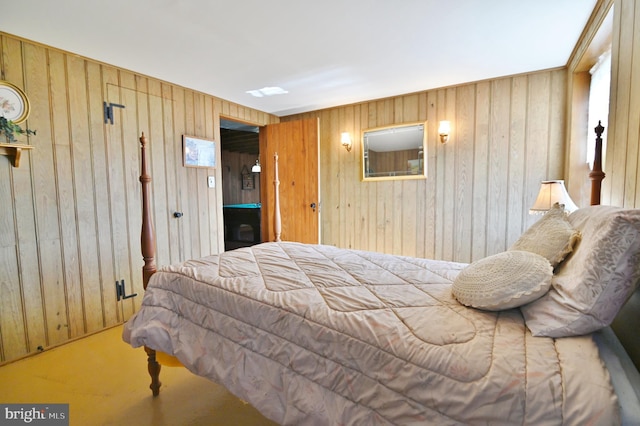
121,291
108,111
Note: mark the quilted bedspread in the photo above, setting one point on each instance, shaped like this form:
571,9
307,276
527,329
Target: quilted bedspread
312,334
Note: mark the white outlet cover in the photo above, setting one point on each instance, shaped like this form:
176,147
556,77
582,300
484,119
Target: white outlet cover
211,181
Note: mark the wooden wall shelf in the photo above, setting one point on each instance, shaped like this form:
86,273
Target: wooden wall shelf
14,151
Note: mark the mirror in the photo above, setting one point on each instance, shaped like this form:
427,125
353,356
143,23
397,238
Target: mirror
394,152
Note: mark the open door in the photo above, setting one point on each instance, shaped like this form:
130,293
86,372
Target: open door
296,143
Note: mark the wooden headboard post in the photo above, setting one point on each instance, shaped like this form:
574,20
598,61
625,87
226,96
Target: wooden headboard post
597,175
147,235
148,244
276,184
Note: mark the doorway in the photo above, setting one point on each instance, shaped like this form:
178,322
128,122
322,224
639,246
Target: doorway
242,207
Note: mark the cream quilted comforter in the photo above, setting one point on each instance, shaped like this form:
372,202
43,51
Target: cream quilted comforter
318,335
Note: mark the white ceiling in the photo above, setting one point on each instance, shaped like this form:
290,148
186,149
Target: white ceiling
324,53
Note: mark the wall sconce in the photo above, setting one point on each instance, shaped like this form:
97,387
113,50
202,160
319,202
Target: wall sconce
443,130
257,168
551,192
345,140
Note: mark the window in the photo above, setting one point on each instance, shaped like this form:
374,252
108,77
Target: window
599,102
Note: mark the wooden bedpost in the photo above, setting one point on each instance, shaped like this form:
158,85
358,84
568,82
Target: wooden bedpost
147,235
276,184
596,175
148,244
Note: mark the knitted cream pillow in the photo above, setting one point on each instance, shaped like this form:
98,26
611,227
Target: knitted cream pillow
504,280
552,237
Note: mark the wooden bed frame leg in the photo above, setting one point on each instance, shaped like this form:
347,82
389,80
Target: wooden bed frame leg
148,243
154,371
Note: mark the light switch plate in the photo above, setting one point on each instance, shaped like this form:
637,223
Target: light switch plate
211,181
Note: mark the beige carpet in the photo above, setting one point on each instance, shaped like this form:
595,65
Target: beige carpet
105,382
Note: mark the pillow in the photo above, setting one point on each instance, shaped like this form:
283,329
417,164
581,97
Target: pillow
504,280
591,286
552,237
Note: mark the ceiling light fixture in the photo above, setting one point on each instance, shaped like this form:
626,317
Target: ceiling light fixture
267,91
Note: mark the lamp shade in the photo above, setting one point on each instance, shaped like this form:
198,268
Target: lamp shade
256,167
551,192
444,128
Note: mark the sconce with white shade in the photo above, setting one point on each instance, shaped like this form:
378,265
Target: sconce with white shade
551,192
444,129
345,140
257,168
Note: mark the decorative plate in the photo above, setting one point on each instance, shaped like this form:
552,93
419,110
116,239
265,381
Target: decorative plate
14,104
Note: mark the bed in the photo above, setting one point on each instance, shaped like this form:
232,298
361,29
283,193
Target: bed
314,334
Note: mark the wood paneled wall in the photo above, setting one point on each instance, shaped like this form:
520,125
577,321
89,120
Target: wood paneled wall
621,186
70,214
233,164
507,135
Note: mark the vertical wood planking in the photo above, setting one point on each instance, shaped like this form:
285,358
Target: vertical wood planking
14,342
117,198
538,137
182,177
97,140
621,76
518,164
172,163
72,222
464,129
216,221
330,206
475,199
45,195
204,227
498,165
66,195
85,195
191,191
557,122
14,320
449,213
482,135
103,165
440,179
36,224
632,188
430,186
232,164
14,189
409,213
126,159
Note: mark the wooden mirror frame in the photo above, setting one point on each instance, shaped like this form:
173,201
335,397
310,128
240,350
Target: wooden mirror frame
402,162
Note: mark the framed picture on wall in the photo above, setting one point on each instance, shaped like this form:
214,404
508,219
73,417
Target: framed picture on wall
14,104
247,179
198,152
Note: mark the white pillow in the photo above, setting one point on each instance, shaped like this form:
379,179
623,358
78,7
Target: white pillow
552,237
504,280
591,286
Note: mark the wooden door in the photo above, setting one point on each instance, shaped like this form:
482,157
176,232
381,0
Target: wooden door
296,144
